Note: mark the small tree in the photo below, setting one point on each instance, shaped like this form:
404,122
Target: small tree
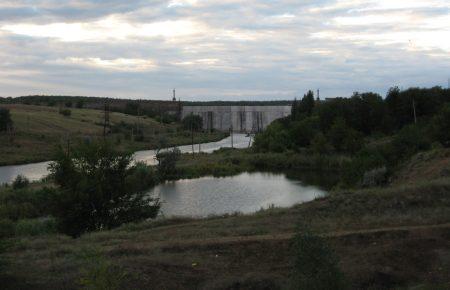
167,161
441,126
93,190
80,104
316,265
5,120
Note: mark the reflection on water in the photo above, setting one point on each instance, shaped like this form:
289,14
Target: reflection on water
246,193
36,171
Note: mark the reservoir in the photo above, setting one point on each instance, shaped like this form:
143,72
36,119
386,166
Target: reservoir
244,193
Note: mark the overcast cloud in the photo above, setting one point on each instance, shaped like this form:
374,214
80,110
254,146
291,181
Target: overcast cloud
229,50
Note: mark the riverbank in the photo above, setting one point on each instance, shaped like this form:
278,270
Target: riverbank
38,130
229,161
384,237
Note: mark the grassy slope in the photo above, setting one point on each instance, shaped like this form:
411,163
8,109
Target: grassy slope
385,237
39,129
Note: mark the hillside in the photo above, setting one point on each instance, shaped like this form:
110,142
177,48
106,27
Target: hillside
384,238
38,129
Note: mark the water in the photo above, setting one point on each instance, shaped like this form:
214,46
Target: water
245,193
36,171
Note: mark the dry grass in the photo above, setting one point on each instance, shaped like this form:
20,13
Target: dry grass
38,129
253,251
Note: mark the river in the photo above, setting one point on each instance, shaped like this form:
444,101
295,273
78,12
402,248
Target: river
36,171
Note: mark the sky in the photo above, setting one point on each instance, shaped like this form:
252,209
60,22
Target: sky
221,50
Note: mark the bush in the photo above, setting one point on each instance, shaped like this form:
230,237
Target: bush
20,182
167,161
142,177
6,228
5,119
441,126
65,112
410,140
98,273
344,138
364,161
26,203
35,227
275,139
316,266
93,190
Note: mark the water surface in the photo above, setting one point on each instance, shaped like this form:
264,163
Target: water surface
245,193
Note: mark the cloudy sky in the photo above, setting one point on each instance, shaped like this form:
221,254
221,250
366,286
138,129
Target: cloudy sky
221,49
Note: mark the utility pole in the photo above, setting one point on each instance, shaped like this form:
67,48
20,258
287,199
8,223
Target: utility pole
414,110
318,94
231,134
192,134
105,119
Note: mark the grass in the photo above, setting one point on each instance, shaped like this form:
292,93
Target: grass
253,251
38,129
228,161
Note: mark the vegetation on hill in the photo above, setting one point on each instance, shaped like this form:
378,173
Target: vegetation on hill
406,122
38,130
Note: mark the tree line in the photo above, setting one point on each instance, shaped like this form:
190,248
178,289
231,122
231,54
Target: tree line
376,131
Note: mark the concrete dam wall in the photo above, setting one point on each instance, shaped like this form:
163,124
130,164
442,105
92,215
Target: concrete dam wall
243,119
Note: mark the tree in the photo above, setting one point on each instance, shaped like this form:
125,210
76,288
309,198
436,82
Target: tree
80,104
320,145
167,161
344,138
307,103
441,126
302,132
193,122
94,190
5,120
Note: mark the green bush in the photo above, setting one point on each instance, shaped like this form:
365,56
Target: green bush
167,161
65,112
6,228
316,265
93,190
441,126
20,182
36,227
98,273
410,140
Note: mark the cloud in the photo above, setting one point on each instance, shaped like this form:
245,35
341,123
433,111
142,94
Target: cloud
221,49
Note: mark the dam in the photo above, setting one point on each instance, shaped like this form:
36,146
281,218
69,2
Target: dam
243,119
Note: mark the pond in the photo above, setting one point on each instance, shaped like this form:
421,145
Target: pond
245,193
36,171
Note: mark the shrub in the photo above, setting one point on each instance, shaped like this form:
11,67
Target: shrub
98,273
35,227
344,138
167,161
5,119
6,228
20,182
410,140
65,112
441,126
316,266
93,192
364,161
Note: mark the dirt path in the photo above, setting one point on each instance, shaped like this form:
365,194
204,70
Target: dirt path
287,236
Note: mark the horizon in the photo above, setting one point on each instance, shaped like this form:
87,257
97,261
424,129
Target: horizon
215,50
